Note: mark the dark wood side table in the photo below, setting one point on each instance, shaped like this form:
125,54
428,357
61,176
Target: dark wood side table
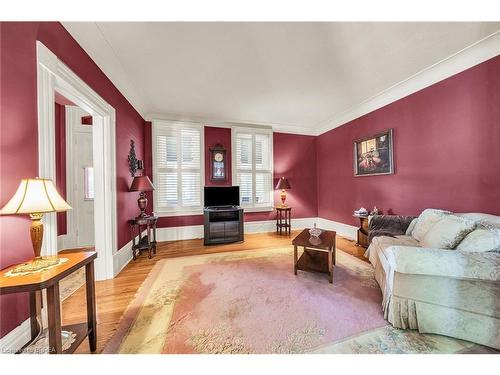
283,219
146,242
362,234
318,255
34,283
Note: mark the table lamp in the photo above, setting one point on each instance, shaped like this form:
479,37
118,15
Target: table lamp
142,184
283,184
36,196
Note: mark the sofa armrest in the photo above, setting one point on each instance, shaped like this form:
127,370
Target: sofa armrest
388,225
446,263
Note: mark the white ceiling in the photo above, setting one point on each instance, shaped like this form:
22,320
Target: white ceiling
295,76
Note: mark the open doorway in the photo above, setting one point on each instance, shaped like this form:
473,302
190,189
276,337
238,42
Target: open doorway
74,174
53,76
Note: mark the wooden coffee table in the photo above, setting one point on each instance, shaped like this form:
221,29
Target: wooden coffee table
318,255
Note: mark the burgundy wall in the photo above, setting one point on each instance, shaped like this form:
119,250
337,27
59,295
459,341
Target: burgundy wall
294,157
19,143
60,127
446,154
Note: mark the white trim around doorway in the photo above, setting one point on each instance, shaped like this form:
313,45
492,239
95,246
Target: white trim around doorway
53,75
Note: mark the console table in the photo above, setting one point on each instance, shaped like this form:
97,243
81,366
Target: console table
48,279
283,219
146,242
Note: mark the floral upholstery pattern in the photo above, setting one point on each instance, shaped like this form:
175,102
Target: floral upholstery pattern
448,232
426,221
447,292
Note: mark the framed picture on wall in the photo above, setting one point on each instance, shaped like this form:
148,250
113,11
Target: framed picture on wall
373,155
218,163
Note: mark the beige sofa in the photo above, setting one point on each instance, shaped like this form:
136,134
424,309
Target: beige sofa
452,289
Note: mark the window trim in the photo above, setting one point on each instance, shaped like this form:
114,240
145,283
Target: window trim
234,170
155,125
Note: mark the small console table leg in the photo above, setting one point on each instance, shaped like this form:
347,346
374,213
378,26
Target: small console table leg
91,308
295,256
150,249
35,312
54,318
330,265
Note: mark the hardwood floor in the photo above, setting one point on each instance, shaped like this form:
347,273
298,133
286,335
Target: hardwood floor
113,296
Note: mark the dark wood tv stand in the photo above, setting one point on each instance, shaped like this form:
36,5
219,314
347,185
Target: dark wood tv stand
223,224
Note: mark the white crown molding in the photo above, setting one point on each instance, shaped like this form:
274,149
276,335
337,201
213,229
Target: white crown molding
90,37
95,44
464,59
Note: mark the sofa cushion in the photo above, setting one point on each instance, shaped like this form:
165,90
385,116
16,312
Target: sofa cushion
486,219
481,239
426,221
379,244
448,232
411,227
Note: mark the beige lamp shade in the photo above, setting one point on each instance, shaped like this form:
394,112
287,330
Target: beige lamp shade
35,195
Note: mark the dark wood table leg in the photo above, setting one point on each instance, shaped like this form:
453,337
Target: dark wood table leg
35,312
289,222
154,237
150,248
330,265
54,318
91,307
132,231
335,251
295,257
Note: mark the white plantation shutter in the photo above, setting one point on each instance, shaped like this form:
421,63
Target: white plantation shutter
177,164
253,166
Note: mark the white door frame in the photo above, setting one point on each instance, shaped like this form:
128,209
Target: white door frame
73,128
53,75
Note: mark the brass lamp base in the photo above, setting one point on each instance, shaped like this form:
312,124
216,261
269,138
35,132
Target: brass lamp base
36,264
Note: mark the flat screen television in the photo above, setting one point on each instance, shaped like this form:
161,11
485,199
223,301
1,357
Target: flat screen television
222,196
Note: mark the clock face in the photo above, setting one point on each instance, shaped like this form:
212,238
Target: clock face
218,156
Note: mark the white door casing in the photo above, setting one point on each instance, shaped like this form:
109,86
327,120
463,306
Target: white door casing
79,140
53,75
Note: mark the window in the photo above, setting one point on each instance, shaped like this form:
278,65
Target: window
253,167
177,168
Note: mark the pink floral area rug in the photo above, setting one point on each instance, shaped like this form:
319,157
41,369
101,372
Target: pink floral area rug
251,302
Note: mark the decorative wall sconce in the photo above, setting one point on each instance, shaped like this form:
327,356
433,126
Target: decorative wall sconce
133,163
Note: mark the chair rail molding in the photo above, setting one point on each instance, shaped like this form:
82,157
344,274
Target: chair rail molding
53,75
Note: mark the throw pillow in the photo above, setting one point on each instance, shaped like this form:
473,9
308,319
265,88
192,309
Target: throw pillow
448,232
426,221
411,226
481,240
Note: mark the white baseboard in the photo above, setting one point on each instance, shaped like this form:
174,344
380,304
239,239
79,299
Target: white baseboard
16,339
179,233
344,230
196,231
270,225
121,258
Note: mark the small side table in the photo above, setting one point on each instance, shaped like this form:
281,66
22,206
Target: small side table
318,254
283,219
48,279
362,237
146,242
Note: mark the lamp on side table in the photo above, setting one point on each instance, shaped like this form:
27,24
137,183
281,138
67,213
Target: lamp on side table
36,196
142,184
